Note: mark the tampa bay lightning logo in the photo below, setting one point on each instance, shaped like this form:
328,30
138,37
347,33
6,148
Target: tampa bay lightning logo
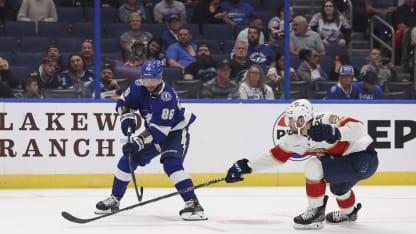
280,130
166,96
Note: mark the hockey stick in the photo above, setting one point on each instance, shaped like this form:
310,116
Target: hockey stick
74,219
139,195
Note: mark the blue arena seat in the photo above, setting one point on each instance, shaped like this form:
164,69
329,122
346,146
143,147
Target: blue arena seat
35,44
108,15
217,32
154,29
33,59
116,29
256,4
172,73
70,14
83,30
110,45
272,5
195,30
54,29
20,29
228,46
69,44
8,44
358,62
21,72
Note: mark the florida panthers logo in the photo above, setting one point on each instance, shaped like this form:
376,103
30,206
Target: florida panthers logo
280,130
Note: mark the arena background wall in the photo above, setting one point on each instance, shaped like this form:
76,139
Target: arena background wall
76,144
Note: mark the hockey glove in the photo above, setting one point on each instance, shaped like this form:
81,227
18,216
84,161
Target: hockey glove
235,172
324,132
134,145
128,120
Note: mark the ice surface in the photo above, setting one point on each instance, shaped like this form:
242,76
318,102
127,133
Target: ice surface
239,210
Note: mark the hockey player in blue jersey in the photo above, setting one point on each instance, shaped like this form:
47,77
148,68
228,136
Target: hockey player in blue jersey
166,134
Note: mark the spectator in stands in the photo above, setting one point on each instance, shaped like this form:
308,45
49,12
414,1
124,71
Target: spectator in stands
183,52
331,25
255,22
55,54
221,86
254,87
210,12
340,58
30,88
46,75
171,34
302,38
109,85
129,7
6,75
77,76
345,88
385,70
87,52
154,50
259,53
276,24
8,12
5,90
37,11
309,68
166,8
204,68
406,31
237,11
128,38
239,63
368,88
138,57
277,81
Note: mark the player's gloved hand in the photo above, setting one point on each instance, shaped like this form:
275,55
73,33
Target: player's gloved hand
235,172
135,144
128,120
324,132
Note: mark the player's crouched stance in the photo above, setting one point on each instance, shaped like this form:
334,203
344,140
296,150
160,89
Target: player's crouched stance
344,156
166,134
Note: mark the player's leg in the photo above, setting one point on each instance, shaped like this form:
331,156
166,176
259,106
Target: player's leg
173,153
342,173
122,178
314,216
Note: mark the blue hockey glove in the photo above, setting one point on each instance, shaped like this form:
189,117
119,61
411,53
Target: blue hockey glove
235,172
324,132
135,144
128,120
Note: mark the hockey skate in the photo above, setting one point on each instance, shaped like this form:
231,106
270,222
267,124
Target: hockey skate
109,205
312,218
193,211
337,216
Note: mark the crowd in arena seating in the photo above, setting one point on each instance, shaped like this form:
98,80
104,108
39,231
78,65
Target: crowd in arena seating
229,49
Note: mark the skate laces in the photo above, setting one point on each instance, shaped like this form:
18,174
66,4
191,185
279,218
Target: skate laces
309,213
110,201
338,216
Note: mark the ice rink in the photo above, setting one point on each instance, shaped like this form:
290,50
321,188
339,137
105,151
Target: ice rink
239,210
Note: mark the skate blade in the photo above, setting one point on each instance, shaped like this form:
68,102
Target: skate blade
101,212
317,225
194,216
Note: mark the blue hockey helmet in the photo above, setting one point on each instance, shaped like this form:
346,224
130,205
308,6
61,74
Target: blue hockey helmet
152,69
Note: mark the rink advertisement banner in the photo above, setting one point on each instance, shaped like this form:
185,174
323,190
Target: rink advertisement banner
85,138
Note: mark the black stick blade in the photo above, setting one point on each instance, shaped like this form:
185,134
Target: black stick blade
74,219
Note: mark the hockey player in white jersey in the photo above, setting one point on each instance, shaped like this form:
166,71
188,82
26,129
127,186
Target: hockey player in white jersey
343,154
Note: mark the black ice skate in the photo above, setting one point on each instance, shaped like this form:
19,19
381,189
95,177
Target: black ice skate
312,218
193,211
337,216
109,205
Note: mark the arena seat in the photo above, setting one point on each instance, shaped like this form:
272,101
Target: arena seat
8,44
34,44
217,32
20,29
70,14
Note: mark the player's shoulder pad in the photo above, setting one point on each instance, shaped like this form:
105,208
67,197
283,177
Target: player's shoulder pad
327,118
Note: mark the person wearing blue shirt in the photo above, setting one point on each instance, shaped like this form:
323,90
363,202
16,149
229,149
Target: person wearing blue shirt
368,88
345,88
166,125
237,11
183,52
